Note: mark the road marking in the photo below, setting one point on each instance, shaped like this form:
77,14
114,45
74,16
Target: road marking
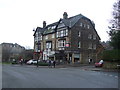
63,68
110,75
106,74
116,76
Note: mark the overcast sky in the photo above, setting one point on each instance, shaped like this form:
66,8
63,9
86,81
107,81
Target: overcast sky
18,18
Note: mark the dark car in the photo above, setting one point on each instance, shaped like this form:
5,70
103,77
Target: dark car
14,61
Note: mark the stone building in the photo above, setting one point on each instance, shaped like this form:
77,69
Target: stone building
70,40
10,51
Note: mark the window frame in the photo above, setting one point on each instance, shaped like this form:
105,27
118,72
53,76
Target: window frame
79,44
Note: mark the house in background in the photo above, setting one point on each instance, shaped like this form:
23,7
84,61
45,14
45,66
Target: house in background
10,51
69,40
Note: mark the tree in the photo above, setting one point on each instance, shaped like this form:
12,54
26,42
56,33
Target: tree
114,32
115,40
28,54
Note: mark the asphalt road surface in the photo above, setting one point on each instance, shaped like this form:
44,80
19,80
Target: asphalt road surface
14,76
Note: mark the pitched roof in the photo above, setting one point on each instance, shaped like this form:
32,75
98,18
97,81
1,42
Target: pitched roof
70,22
48,29
38,29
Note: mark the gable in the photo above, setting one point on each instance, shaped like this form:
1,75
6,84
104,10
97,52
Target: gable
86,24
61,24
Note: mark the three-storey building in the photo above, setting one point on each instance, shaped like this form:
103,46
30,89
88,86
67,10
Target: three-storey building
70,40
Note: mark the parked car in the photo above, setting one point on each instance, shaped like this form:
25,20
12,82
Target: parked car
14,61
32,61
99,64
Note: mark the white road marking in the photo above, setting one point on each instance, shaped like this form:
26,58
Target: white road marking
116,76
106,74
63,68
110,75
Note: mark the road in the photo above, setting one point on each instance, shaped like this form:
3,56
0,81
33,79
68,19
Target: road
14,76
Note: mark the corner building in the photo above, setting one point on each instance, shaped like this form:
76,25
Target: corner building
69,40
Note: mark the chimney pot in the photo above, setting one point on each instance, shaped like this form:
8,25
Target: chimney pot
44,24
65,15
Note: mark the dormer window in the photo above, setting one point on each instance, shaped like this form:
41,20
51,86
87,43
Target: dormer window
62,33
49,28
53,27
61,25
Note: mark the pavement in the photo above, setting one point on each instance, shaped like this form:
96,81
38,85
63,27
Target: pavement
78,66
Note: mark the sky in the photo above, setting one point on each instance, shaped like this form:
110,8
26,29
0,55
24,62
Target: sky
18,18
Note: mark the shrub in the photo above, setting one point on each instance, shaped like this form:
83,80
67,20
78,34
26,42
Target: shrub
111,55
42,64
110,65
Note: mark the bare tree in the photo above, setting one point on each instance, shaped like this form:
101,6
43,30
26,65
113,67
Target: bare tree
116,16
114,32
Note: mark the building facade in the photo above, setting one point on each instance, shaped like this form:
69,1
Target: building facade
69,40
10,51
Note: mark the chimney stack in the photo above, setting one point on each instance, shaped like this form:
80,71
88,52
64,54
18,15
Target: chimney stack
44,24
65,15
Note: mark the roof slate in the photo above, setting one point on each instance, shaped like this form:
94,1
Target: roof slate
69,22
48,31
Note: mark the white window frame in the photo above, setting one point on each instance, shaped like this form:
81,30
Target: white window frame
79,44
84,25
61,33
46,37
61,43
66,32
79,34
88,26
90,46
53,36
94,37
81,24
90,36
57,34
48,45
94,46
41,37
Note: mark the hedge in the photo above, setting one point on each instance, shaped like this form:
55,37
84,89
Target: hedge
111,55
42,64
